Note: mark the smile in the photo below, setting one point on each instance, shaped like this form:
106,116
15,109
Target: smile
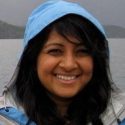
66,78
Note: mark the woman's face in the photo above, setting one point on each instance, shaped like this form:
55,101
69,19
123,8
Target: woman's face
64,67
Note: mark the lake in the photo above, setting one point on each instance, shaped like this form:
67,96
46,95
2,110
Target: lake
10,51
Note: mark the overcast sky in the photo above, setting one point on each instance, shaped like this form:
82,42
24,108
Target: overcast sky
109,12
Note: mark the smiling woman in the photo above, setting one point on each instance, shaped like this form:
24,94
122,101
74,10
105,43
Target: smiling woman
68,67
63,76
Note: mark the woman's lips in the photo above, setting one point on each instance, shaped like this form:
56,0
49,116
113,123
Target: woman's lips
67,79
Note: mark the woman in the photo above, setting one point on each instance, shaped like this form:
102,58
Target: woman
63,76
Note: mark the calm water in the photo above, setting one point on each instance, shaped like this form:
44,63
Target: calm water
10,51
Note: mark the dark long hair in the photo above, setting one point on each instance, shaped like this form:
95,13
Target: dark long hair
91,102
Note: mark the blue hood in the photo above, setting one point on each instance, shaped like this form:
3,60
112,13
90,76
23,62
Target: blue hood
52,10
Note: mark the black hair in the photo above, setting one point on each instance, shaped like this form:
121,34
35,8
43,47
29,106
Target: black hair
91,102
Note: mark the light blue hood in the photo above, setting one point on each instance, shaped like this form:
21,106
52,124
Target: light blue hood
52,10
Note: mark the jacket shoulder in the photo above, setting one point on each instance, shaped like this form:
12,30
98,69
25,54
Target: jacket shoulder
11,115
5,121
115,109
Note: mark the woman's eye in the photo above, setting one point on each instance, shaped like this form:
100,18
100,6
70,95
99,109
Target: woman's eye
82,52
55,52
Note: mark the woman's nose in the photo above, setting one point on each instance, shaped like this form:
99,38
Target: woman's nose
68,63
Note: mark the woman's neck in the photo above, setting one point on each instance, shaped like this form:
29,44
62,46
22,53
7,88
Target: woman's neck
62,104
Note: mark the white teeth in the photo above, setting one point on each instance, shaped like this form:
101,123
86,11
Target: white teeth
66,77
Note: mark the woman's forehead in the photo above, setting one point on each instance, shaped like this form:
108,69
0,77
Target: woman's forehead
54,36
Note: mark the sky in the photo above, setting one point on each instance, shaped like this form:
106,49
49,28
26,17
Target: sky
108,12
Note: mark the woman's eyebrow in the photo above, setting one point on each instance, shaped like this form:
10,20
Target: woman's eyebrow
53,44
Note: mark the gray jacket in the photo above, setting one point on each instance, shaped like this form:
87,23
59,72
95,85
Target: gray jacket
17,116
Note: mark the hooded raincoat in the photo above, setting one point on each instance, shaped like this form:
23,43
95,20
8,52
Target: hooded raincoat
11,113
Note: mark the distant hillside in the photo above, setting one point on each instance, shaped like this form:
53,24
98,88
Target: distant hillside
113,31
8,31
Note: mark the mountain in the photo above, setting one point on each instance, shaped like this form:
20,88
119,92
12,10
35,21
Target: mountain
113,31
9,31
